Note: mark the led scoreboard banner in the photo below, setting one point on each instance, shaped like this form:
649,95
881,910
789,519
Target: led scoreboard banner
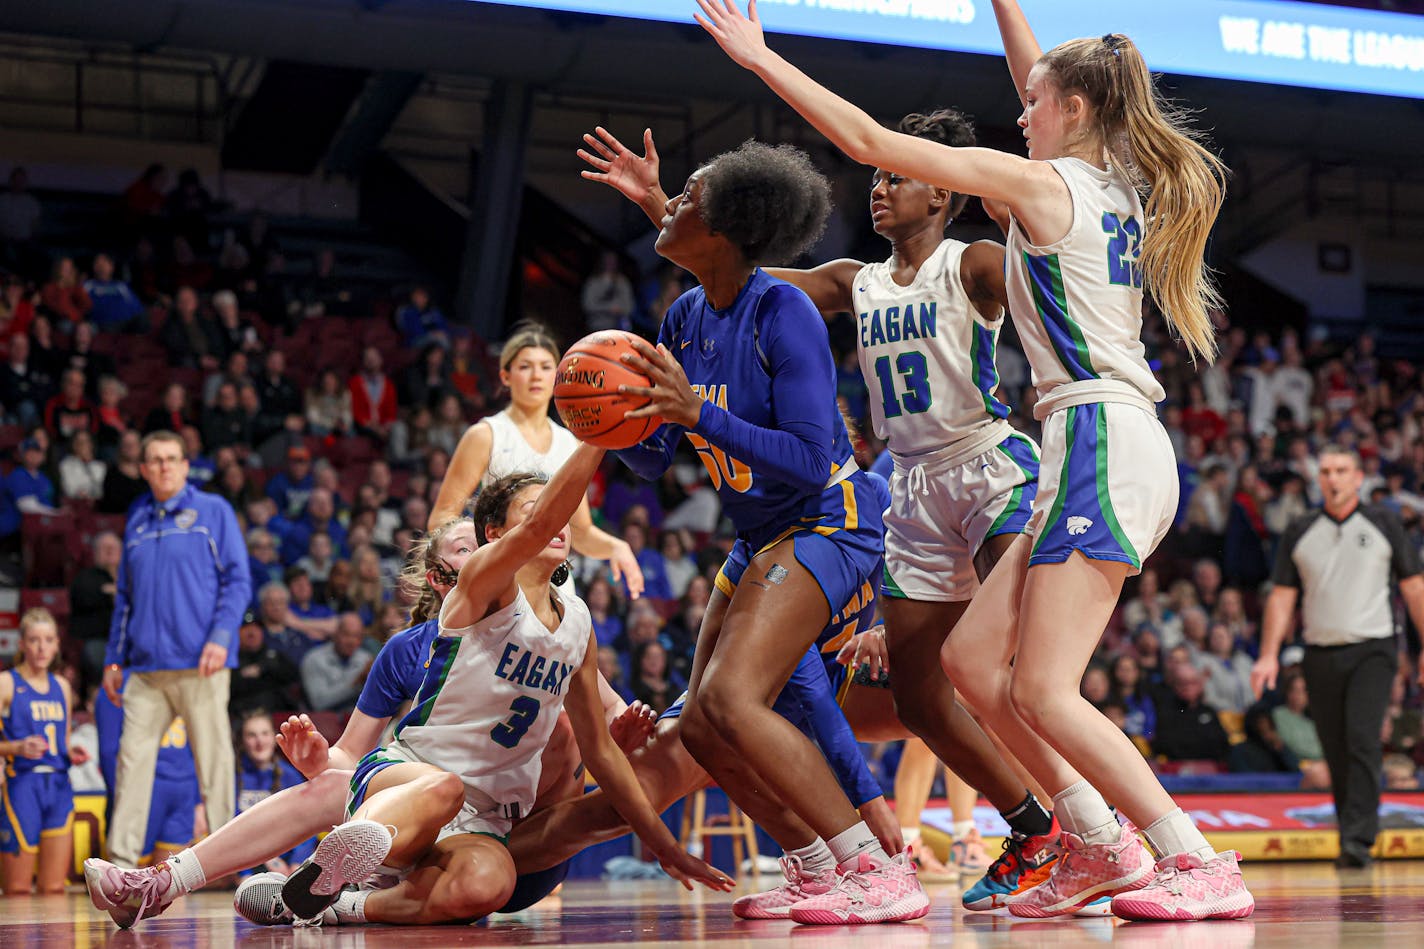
1284,43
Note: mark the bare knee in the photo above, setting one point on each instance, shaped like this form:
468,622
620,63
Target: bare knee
1039,704
724,708
451,791
975,683
476,887
698,734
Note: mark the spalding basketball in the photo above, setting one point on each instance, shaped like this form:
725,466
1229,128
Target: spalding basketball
586,391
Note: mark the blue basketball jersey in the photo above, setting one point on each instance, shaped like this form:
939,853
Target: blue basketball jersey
37,713
771,434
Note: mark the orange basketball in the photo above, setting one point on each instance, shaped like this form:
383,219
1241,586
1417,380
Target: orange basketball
587,396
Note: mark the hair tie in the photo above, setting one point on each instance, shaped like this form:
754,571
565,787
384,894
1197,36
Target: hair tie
1113,42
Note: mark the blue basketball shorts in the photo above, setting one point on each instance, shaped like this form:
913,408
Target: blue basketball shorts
37,804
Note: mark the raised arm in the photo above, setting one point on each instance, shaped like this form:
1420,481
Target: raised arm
467,467
1020,47
634,177
610,768
488,574
829,285
978,171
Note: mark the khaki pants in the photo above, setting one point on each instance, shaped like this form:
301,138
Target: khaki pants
151,700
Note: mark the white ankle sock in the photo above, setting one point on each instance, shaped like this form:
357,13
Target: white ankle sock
855,840
350,907
911,835
186,873
816,857
961,828
1175,833
1082,811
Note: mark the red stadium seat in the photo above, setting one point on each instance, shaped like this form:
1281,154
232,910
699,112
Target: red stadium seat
10,438
54,599
47,546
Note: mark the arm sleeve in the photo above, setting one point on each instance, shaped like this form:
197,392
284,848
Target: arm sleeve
1285,573
823,722
234,583
385,690
803,398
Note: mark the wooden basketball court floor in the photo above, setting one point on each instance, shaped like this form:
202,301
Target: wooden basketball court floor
1300,905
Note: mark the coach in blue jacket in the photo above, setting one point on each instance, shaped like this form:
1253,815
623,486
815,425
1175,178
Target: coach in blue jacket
183,585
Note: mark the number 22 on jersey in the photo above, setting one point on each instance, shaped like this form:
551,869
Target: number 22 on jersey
1124,250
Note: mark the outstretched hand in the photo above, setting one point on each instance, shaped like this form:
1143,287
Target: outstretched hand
633,176
633,726
305,747
740,35
687,870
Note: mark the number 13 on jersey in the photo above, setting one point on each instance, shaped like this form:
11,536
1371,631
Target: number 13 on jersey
915,371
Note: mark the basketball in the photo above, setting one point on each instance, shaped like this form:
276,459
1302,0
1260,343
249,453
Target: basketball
586,391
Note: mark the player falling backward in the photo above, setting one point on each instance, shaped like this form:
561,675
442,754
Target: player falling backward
964,480
469,752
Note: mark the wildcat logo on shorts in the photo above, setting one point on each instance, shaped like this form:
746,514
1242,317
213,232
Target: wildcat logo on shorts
1078,525
186,518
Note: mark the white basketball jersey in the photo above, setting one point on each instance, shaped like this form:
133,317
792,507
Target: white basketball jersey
491,695
510,453
1077,303
927,355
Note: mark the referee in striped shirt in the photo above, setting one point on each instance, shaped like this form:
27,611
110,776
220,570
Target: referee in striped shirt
1344,559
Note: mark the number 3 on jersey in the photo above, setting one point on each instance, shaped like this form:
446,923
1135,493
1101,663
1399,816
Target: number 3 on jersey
916,371
1124,249
509,732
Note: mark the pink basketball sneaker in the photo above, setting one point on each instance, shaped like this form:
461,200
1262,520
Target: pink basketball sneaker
1186,888
866,893
128,895
1083,873
777,903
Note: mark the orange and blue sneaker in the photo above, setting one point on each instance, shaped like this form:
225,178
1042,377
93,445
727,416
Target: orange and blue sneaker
1022,855
1188,888
1085,872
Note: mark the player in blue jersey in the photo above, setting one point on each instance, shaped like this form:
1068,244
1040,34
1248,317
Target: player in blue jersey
1116,197
175,810
962,480
35,713
262,773
743,368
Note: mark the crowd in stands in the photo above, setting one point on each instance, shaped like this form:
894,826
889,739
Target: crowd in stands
327,416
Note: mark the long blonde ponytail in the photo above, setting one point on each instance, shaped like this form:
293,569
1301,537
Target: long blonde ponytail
1183,184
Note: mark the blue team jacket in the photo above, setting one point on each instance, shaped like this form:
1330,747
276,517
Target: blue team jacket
183,583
